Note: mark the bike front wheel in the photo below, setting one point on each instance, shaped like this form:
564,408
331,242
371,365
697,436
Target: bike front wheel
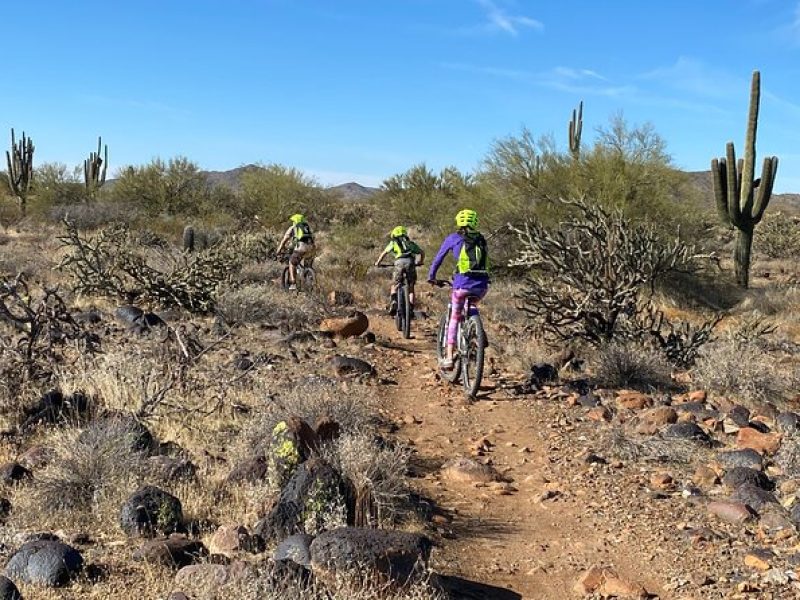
285,278
472,355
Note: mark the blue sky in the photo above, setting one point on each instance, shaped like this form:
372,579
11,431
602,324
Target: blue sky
362,89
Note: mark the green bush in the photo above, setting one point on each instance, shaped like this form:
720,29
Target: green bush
779,236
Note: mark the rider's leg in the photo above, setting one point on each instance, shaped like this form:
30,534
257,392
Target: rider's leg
457,299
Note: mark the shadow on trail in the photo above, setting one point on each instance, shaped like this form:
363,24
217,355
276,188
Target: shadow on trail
458,588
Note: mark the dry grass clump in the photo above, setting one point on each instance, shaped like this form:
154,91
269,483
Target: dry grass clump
90,474
310,399
374,467
650,449
742,371
631,365
268,304
267,583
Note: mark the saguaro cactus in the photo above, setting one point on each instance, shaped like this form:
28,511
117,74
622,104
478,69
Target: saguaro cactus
575,129
20,168
188,239
742,200
94,168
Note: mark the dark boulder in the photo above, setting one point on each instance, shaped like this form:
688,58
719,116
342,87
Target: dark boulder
150,511
296,548
175,551
45,562
394,556
738,476
746,457
312,489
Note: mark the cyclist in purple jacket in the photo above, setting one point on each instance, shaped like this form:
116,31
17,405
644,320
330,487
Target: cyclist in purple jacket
471,278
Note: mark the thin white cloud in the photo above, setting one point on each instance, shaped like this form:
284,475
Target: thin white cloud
499,20
696,77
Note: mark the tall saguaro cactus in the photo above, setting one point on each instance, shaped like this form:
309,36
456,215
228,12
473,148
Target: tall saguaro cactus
94,168
742,200
20,169
575,130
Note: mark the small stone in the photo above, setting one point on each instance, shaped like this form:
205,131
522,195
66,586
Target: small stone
653,420
590,581
614,587
759,559
662,481
733,512
705,477
599,413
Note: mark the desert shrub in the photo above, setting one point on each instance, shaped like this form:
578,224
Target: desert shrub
274,192
651,448
93,215
374,469
175,187
310,399
778,236
742,371
109,263
89,467
267,304
630,365
54,184
585,277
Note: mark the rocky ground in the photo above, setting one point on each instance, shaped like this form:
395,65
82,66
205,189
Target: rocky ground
546,487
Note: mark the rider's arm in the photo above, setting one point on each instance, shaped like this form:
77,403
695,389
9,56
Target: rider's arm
285,239
421,259
437,261
380,258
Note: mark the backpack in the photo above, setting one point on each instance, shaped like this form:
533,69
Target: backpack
473,259
402,246
302,232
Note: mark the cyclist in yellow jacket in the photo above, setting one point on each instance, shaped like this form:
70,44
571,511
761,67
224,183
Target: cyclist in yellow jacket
407,257
302,240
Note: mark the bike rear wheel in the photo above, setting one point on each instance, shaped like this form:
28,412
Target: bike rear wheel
406,313
441,350
473,341
399,308
285,278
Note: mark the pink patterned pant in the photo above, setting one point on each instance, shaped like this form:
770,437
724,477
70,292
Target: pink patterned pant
457,299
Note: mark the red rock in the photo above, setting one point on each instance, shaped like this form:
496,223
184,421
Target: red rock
763,443
705,477
599,413
697,396
352,326
590,581
662,481
633,401
614,587
653,420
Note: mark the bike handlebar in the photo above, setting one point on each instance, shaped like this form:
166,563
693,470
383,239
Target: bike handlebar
441,282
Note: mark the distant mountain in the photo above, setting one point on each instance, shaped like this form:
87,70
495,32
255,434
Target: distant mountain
704,182
354,191
232,179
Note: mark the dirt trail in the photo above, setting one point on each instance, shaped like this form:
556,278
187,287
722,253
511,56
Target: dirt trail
516,538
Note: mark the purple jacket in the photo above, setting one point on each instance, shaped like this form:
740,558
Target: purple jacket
452,243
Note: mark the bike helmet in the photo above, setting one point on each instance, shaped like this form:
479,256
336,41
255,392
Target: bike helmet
399,231
297,218
467,218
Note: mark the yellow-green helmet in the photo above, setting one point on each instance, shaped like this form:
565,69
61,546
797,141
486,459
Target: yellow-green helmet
467,218
399,231
297,218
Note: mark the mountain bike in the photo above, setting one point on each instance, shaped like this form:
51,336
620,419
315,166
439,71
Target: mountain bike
405,311
304,275
470,346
